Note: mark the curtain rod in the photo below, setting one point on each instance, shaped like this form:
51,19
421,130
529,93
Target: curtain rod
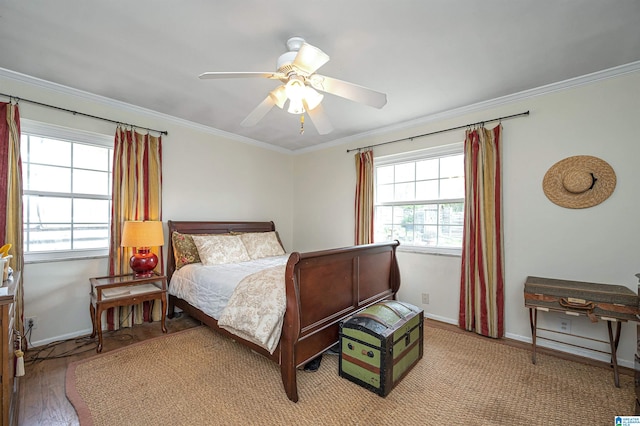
441,131
162,132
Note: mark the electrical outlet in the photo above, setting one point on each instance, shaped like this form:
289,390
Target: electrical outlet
425,298
565,325
31,322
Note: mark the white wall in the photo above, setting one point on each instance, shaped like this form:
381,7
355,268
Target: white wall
205,177
599,244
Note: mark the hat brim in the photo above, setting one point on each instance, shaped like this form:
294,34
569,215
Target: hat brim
605,183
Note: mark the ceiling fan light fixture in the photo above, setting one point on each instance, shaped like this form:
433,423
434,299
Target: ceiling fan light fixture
294,88
312,97
296,106
279,96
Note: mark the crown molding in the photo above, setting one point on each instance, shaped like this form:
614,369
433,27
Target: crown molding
102,100
484,105
453,113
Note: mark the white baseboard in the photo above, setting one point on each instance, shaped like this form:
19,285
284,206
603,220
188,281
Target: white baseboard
441,319
68,336
582,352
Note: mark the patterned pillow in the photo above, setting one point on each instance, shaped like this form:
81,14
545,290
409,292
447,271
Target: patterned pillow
262,244
220,249
184,250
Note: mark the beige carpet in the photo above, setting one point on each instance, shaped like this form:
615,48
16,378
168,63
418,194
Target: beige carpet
197,377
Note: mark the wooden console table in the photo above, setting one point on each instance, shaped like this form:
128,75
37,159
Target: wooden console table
612,303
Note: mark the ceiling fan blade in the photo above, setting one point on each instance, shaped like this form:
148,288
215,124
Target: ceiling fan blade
215,75
259,112
349,91
310,58
319,119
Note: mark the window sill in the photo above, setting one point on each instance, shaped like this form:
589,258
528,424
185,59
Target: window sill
31,258
430,251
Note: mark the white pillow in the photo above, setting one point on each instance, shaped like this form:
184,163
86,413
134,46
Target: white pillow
220,249
262,244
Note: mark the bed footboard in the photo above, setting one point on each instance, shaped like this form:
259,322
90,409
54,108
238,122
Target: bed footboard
323,288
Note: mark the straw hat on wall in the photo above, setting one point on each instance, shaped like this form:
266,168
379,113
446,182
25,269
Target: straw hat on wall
579,182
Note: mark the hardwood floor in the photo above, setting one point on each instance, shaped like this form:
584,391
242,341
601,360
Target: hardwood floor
42,388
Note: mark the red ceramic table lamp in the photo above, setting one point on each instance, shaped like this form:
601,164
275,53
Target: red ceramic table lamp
142,235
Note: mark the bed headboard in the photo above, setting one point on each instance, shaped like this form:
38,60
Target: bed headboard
185,227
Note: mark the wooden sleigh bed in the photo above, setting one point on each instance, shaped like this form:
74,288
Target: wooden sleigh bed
322,288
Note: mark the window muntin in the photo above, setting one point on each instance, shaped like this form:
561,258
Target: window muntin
66,193
419,200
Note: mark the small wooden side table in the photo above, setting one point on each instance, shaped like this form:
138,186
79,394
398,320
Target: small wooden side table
123,290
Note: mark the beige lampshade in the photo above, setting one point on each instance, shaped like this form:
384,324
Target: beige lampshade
142,234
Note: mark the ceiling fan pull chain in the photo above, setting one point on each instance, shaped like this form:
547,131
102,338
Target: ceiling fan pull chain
301,124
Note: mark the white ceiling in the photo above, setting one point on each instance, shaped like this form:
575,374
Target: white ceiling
428,56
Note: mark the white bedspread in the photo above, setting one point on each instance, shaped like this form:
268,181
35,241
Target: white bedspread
209,288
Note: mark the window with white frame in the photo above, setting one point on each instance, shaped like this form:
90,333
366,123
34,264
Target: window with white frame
66,192
419,199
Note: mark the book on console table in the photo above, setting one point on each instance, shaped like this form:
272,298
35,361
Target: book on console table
111,293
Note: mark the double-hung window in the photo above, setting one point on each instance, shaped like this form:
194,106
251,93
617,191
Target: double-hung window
419,199
66,192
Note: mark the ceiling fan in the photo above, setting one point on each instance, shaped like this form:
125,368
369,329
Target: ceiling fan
296,69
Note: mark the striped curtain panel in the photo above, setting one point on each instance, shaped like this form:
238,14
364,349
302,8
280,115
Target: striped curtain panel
364,197
482,275
136,195
11,200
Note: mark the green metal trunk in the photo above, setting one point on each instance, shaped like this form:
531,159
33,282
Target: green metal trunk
380,344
